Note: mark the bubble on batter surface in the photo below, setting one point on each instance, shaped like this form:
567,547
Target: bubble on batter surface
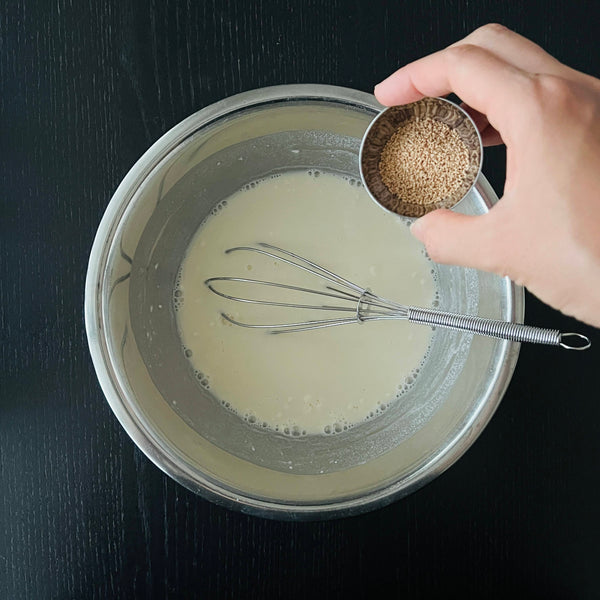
291,430
177,298
410,379
338,426
203,379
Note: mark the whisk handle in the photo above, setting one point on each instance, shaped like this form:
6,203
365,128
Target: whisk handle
498,329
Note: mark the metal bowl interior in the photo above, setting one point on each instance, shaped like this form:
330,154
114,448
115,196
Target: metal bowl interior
137,354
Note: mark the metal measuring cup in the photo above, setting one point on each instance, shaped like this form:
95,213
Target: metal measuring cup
383,127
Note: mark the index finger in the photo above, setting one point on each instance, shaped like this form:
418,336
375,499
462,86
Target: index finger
481,79
514,49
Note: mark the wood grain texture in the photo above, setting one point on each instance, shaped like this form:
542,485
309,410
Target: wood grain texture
86,87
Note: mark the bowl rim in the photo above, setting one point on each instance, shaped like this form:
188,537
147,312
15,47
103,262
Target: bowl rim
136,429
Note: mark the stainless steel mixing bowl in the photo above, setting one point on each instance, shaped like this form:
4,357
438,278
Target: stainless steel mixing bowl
137,353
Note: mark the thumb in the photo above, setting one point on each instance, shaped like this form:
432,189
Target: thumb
457,239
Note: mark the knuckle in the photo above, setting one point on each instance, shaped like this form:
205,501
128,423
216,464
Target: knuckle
552,92
557,88
490,30
461,54
461,51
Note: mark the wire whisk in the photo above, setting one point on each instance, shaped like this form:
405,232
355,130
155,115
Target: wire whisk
355,304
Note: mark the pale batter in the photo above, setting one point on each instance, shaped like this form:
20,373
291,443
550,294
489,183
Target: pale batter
312,382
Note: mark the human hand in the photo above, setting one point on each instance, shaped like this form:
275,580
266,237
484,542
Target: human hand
545,231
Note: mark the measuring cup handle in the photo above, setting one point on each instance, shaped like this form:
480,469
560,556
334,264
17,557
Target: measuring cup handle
504,330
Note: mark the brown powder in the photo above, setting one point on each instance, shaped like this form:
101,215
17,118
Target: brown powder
424,161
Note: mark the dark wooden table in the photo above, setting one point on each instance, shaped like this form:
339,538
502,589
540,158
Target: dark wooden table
86,87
